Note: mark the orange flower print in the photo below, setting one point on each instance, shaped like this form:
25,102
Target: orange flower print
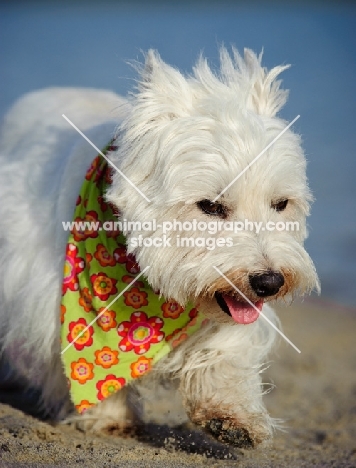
106,357
63,311
173,334
82,370
141,366
107,319
171,309
88,258
103,286
135,298
72,266
120,254
103,256
193,314
111,384
128,279
182,337
86,299
83,406
87,227
140,332
76,329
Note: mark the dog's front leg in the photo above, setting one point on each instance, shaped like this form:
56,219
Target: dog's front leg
228,404
221,385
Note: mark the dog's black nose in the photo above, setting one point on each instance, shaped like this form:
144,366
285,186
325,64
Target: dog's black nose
266,284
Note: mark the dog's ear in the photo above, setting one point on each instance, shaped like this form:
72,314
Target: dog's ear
163,88
243,80
264,96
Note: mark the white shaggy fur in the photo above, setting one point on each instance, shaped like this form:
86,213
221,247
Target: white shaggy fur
180,140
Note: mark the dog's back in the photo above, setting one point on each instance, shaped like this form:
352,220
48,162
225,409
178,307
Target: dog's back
43,162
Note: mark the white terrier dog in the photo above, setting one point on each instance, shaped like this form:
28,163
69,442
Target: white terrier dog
181,141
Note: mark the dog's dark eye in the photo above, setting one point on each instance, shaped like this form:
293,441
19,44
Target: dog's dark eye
212,208
280,206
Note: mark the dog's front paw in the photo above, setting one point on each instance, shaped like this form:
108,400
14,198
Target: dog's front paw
225,431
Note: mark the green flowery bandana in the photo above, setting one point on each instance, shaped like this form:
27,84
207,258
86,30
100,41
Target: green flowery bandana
121,340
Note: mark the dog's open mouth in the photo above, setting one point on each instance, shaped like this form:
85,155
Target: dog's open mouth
240,311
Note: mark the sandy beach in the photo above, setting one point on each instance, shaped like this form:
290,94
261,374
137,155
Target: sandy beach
315,395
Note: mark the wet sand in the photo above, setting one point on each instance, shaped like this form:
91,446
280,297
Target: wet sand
315,395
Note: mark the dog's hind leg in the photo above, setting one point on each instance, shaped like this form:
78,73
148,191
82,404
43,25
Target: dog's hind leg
114,414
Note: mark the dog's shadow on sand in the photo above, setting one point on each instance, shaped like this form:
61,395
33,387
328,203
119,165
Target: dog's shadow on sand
185,439
180,438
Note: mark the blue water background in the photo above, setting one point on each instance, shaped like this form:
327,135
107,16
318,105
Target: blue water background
88,44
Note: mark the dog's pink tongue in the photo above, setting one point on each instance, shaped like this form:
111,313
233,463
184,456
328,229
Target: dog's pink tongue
243,312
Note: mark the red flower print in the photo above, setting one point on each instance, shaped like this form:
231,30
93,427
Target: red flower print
115,210
140,332
112,148
111,384
171,309
86,299
135,298
99,172
106,357
86,227
93,167
120,254
131,265
103,286
113,233
76,329
193,313
109,173
82,371
103,256
83,406
107,319
103,204
140,367
72,266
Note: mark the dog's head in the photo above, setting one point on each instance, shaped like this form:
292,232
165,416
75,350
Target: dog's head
183,144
